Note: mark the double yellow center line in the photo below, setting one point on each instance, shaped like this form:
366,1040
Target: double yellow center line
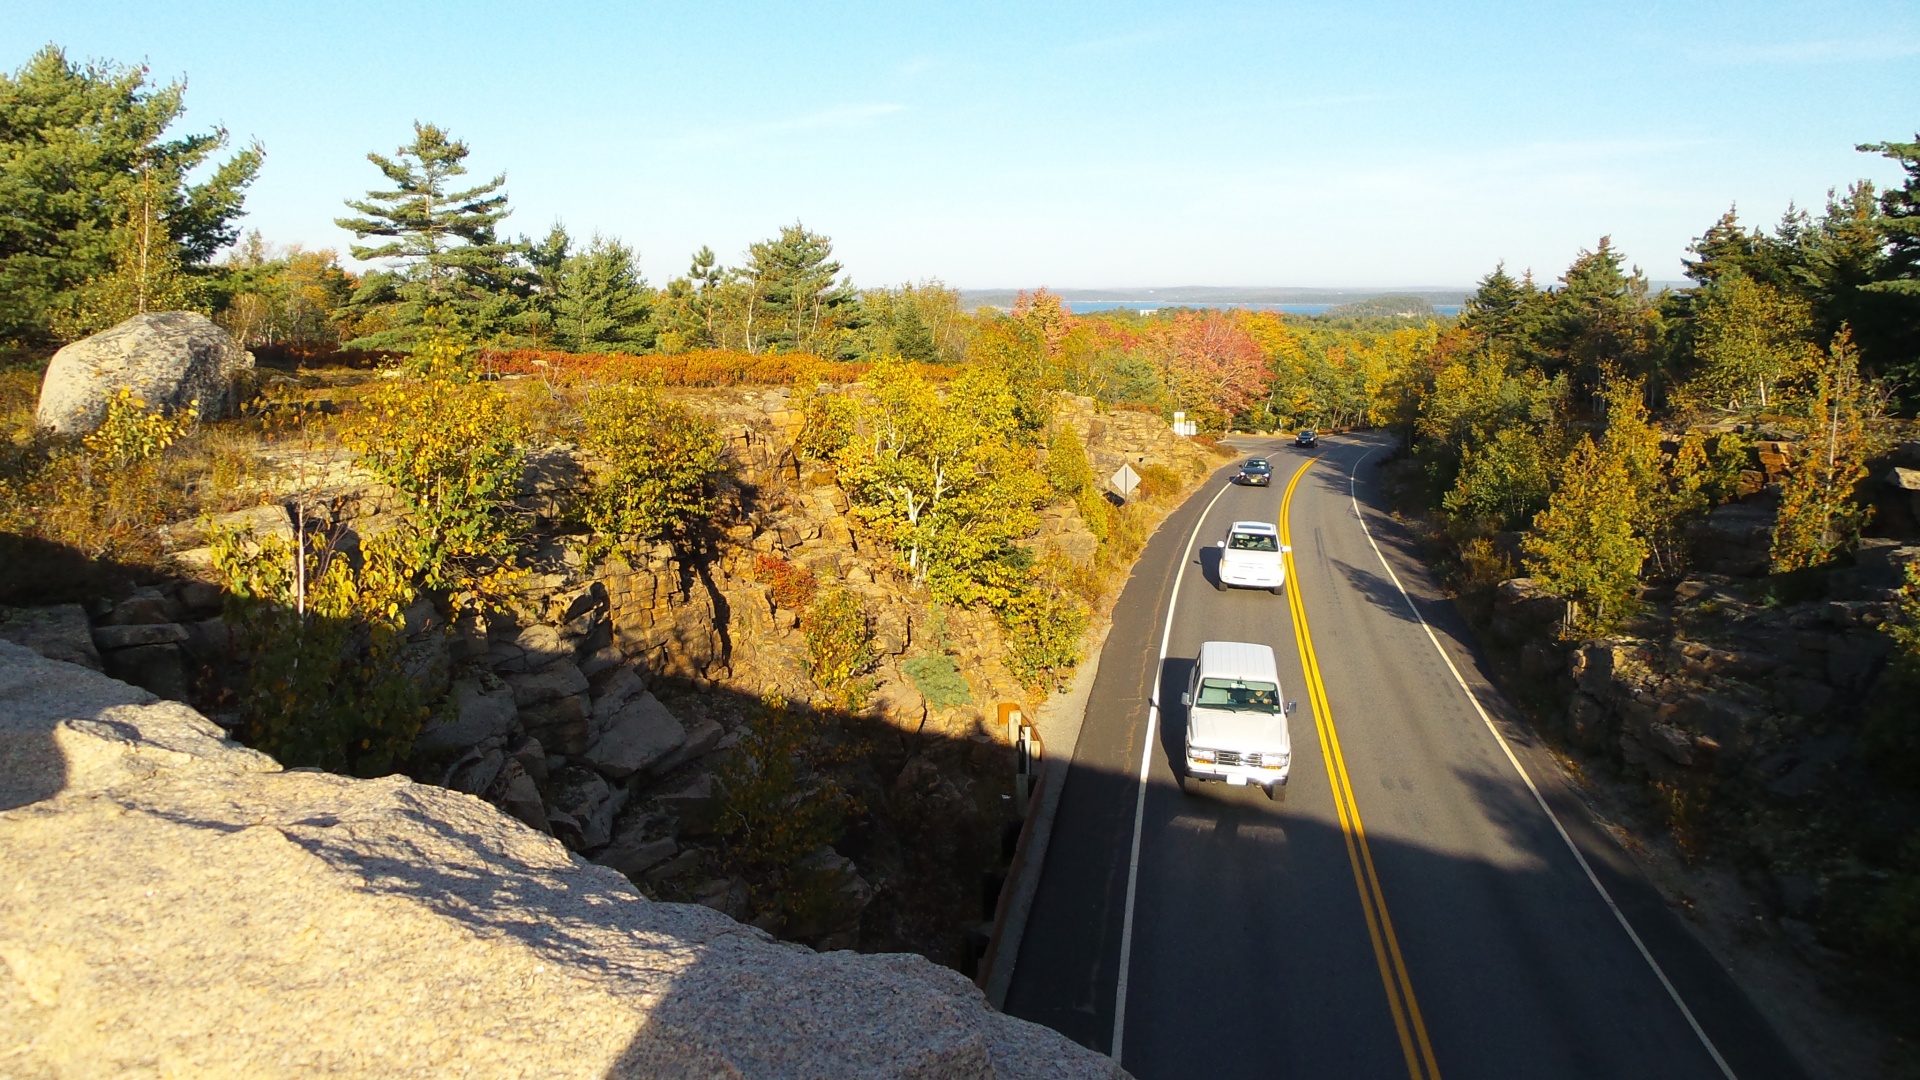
1373,902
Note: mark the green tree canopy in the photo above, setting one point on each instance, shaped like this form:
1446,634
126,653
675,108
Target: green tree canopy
441,239
1503,313
1583,548
86,174
790,300
594,298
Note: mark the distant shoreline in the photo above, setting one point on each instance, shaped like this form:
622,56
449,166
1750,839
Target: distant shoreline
1272,298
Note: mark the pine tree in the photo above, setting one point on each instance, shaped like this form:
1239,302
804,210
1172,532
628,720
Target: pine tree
1600,318
599,300
1583,547
442,240
91,189
791,301
1504,313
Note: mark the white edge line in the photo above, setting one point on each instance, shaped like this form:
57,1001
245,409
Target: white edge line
1140,799
1592,878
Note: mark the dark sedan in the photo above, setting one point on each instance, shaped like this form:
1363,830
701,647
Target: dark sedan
1256,471
1307,437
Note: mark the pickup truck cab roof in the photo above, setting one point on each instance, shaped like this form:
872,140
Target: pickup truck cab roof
1238,659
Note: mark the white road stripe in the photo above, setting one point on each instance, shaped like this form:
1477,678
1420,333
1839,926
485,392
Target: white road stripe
1594,879
1140,800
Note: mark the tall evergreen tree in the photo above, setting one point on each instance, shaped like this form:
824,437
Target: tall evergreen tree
793,302
443,241
1504,313
1601,318
1890,342
599,300
92,189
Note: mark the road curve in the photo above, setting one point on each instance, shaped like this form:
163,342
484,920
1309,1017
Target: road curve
1408,909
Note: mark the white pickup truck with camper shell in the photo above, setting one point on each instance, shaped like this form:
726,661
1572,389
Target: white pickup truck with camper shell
1236,723
1251,557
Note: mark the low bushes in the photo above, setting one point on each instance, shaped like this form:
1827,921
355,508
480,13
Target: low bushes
657,462
839,643
706,367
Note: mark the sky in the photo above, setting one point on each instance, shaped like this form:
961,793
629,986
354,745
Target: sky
1354,145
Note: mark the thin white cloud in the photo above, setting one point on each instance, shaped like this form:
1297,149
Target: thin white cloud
1855,50
840,116
1111,43
722,136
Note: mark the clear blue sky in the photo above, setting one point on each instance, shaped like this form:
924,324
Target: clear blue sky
1019,144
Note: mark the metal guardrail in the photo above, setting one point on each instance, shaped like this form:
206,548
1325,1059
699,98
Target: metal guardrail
1029,784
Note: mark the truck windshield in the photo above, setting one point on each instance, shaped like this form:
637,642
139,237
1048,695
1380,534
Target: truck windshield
1253,542
1237,695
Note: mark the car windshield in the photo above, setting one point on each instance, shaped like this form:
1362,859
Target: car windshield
1256,465
1253,542
1239,696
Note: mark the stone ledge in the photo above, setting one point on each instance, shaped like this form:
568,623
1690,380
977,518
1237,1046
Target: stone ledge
295,922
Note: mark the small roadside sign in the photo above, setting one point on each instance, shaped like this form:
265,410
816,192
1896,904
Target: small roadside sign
1124,481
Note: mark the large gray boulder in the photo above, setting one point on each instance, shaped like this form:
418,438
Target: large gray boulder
58,633
478,714
640,734
172,904
170,358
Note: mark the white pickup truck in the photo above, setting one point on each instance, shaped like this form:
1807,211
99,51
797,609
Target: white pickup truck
1236,723
1250,556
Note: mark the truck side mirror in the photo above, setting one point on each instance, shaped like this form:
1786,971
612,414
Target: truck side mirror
1219,543
1291,705
1286,549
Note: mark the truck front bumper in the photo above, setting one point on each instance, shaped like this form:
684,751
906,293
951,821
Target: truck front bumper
1238,775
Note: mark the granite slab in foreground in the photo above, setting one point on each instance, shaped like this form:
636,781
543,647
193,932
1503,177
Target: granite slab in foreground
172,904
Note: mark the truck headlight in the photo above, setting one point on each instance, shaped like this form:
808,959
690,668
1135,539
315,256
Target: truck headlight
1275,761
1200,755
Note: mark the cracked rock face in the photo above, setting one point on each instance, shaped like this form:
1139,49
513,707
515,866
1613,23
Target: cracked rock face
171,904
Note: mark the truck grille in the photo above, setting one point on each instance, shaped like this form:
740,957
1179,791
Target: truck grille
1231,757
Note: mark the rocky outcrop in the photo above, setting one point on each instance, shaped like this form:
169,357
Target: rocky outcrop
172,359
218,916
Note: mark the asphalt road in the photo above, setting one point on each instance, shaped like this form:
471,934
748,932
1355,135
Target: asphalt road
1407,908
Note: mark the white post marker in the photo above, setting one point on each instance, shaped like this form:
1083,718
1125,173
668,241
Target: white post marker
1124,480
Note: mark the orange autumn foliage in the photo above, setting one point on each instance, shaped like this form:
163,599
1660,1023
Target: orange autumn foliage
706,367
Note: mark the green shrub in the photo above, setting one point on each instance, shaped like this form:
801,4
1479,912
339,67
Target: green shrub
939,681
1041,629
1892,732
839,641
453,453
1096,512
778,807
319,660
1068,470
828,423
658,460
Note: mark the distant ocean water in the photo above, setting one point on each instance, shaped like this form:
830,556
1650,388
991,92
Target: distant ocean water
1084,306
